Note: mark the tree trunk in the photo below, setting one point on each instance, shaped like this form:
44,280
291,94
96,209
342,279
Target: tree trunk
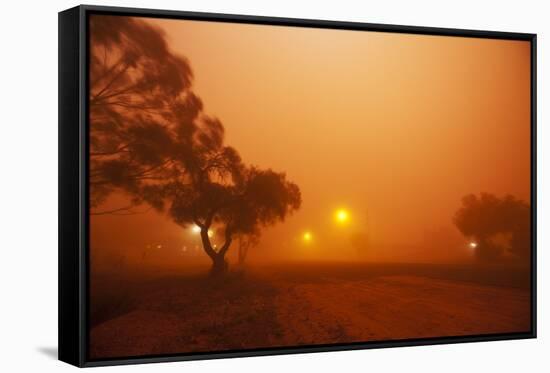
219,264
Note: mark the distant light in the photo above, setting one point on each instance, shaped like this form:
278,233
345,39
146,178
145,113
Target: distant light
195,229
159,246
342,216
210,233
307,237
473,245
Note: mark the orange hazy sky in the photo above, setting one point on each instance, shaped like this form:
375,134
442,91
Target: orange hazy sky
394,127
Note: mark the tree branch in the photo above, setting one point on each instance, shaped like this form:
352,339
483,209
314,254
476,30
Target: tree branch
207,246
118,150
228,240
110,83
126,210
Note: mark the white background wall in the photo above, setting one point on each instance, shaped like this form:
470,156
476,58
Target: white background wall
28,184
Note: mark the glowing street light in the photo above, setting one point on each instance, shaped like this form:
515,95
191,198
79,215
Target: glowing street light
196,230
342,216
307,236
472,245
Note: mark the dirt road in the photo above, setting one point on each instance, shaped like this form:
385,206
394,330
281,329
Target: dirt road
288,308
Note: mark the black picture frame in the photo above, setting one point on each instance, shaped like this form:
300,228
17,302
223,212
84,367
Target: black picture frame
73,185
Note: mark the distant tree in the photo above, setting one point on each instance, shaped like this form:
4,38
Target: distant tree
519,225
245,242
144,115
482,218
237,199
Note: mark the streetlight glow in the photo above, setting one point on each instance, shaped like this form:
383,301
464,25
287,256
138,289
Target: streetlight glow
342,216
196,230
307,237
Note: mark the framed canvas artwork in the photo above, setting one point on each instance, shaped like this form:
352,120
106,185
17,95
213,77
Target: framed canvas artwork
239,186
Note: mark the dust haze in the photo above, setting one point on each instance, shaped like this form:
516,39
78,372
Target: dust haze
318,184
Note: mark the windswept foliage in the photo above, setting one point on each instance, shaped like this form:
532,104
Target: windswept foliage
150,139
144,116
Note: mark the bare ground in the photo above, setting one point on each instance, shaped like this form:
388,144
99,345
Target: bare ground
303,305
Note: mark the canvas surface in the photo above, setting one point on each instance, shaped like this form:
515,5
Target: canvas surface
259,186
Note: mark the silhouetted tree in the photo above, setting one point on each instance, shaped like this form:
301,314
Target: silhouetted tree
143,114
519,225
481,218
245,243
238,200
150,139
